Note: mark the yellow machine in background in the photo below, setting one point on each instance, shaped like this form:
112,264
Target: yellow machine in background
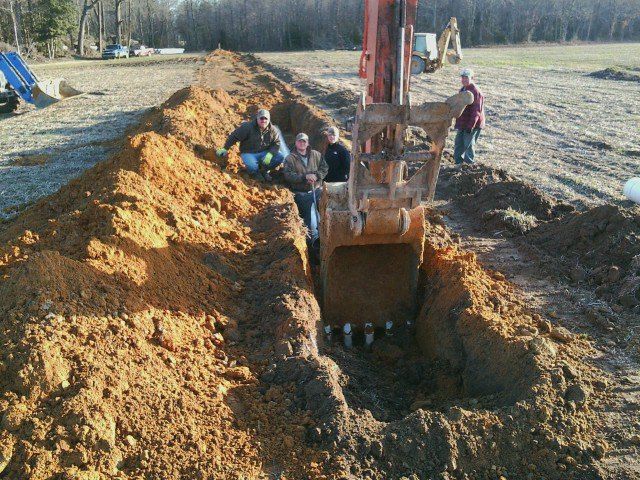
429,52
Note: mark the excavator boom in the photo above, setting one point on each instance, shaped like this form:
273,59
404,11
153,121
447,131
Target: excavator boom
372,233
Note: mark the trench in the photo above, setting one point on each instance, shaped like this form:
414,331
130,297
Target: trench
443,351
208,274
434,361
421,400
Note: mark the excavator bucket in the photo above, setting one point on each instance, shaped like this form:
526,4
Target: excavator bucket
373,226
48,92
371,277
24,82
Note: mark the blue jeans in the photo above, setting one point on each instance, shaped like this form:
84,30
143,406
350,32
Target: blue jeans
253,160
307,206
464,150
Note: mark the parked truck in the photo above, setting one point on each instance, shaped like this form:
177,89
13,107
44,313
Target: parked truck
115,50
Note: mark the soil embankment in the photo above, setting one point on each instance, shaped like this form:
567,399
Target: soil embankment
139,305
598,247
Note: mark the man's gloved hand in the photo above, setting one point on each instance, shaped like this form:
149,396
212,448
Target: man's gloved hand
222,152
267,159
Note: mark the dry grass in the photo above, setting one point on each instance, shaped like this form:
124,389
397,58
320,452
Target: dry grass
41,150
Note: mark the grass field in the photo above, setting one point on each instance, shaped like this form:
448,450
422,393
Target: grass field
41,150
548,121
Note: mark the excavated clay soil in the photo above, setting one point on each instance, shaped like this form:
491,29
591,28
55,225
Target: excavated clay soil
158,321
598,248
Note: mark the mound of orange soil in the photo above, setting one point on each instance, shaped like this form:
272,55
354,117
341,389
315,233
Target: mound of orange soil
120,301
157,321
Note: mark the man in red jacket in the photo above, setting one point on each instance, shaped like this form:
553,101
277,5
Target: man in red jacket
470,122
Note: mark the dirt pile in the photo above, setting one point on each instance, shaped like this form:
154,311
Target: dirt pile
616,73
600,247
157,321
122,297
483,388
497,199
342,102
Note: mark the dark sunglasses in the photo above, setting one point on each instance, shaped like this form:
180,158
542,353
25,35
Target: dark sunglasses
264,118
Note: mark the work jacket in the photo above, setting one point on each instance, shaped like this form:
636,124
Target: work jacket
295,170
254,140
338,159
473,115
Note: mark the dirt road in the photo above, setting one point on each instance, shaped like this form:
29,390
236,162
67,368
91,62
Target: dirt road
41,150
548,121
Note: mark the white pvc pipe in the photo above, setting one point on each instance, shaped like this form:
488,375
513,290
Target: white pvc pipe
632,189
346,330
368,334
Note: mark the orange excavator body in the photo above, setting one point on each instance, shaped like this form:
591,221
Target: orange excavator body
372,228
379,47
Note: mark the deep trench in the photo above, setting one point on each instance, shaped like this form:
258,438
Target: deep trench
405,371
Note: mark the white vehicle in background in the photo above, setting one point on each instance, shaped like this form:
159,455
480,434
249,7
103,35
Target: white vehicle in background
169,51
142,51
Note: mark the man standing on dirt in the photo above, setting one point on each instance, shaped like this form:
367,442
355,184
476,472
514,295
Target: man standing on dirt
261,147
470,122
337,157
304,171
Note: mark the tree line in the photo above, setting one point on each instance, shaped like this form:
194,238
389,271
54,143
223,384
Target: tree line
52,27
49,26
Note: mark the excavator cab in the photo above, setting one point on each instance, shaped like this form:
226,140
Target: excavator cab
373,226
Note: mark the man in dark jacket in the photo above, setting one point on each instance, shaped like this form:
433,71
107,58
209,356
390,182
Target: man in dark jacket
470,122
337,157
304,171
261,147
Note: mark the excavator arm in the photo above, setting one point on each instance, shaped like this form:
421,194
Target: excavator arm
450,35
373,226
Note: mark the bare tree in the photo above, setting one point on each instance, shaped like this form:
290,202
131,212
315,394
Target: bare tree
303,24
101,31
86,8
15,22
118,19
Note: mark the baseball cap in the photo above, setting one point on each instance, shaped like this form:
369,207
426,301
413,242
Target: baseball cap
302,136
263,113
466,72
332,131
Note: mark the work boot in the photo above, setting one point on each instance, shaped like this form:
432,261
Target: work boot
257,176
265,174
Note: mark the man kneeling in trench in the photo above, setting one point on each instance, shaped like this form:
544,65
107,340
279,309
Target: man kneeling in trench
304,171
261,146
